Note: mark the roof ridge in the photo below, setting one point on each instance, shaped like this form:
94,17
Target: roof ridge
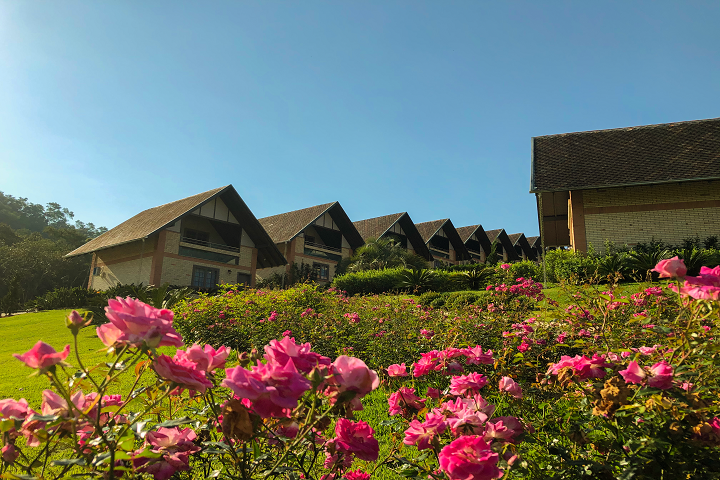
633,127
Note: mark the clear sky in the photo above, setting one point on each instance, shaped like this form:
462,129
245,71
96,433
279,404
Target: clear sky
112,107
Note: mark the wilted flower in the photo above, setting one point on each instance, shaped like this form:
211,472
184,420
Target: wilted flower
404,399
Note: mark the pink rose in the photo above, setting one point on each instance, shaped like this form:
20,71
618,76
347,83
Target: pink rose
470,383
421,434
405,398
524,346
133,322
505,266
205,358
672,267
76,321
433,393
10,454
475,356
510,386
274,389
469,458
175,447
301,355
356,438
428,334
184,373
356,475
350,374
397,370
633,373
42,356
661,376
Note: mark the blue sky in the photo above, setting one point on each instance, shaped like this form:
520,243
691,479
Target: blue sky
110,108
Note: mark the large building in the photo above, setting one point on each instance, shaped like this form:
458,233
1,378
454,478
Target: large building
319,236
200,241
628,185
398,227
444,242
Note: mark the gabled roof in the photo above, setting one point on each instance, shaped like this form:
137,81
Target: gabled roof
643,155
467,232
286,226
519,240
534,242
378,226
501,237
429,229
151,221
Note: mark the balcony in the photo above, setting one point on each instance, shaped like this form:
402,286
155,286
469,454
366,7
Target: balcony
203,243
324,247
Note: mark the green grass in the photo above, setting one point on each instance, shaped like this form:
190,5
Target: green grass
21,332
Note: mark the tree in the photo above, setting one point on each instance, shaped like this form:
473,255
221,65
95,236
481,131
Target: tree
381,253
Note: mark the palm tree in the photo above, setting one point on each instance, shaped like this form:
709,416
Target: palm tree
417,281
378,254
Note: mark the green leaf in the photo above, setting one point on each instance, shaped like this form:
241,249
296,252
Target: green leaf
65,462
174,423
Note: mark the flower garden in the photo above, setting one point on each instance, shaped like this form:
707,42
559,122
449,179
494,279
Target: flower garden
592,381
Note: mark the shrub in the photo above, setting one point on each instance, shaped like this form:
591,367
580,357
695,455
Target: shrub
369,282
74,297
526,269
569,267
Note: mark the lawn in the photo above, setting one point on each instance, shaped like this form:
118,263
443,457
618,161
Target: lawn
21,332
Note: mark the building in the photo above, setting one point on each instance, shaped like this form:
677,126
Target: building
200,241
522,246
444,242
399,227
536,245
476,241
318,236
628,185
503,246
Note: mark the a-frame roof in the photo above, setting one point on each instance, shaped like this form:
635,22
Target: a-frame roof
534,242
378,226
286,226
467,232
152,220
519,240
501,237
429,229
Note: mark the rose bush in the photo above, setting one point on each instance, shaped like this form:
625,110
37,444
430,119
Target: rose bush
609,384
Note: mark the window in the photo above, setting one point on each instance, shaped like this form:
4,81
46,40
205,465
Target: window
204,277
97,270
197,235
243,278
323,270
205,255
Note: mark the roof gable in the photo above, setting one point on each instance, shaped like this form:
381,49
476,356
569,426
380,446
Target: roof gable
649,154
429,229
466,234
379,226
502,238
151,221
286,226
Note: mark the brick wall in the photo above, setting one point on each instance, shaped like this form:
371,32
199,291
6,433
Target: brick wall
671,213
123,264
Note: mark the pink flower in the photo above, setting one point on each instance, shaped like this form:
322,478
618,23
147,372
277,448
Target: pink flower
470,383
469,458
505,266
397,370
672,267
509,385
175,447
561,338
10,454
433,393
42,356
524,346
403,399
301,355
661,376
356,475
205,358
421,434
76,321
633,373
287,333
583,367
356,438
184,373
133,322
274,389
466,420
475,356
428,334
503,428
352,375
